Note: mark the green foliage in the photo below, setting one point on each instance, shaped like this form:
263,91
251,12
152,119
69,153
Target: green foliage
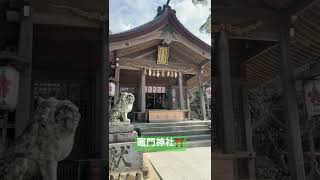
206,27
202,2
195,104
194,98
270,134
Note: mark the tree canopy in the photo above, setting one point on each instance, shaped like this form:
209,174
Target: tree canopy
206,27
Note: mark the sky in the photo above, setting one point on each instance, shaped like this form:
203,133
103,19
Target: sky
128,14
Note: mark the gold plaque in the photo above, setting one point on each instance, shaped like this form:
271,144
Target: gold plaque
163,55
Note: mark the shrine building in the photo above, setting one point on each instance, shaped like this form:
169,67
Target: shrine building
159,62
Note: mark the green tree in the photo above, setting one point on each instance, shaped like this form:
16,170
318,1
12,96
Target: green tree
206,27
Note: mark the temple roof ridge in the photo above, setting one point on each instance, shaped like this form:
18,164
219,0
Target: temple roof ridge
166,10
163,18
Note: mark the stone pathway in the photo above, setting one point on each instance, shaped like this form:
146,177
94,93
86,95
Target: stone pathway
192,164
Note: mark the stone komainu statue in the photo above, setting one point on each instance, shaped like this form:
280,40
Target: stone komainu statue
122,108
46,141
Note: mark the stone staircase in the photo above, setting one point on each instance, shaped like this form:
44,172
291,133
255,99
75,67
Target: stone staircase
197,132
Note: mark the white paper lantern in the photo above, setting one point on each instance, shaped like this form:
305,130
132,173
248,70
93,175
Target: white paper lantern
168,74
112,89
208,92
150,72
9,86
158,73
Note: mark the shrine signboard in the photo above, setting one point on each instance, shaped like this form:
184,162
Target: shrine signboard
163,55
312,96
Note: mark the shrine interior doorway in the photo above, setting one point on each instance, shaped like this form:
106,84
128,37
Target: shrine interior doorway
65,66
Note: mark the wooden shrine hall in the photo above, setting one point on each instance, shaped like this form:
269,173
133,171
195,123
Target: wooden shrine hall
58,49
258,42
155,61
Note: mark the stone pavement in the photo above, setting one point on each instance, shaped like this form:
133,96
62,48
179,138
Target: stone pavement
192,164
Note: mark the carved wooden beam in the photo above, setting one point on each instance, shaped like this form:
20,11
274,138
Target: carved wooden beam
301,5
254,22
229,13
81,13
239,30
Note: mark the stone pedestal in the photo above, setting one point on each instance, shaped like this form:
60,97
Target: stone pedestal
123,158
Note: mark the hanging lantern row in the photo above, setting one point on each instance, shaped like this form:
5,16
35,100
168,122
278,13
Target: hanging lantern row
161,73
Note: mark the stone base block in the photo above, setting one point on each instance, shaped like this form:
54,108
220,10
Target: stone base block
122,137
120,128
132,175
123,157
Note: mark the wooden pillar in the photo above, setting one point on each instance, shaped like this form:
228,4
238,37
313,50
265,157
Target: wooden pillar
189,107
296,162
248,129
138,95
202,101
181,94
225,94
143,91
117,84
208,112
103,129
23,111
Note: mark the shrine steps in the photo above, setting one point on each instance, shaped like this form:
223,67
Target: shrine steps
175,128
176,133
168,124
197,133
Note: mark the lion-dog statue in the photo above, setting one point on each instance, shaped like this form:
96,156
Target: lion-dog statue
121,109
48,139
